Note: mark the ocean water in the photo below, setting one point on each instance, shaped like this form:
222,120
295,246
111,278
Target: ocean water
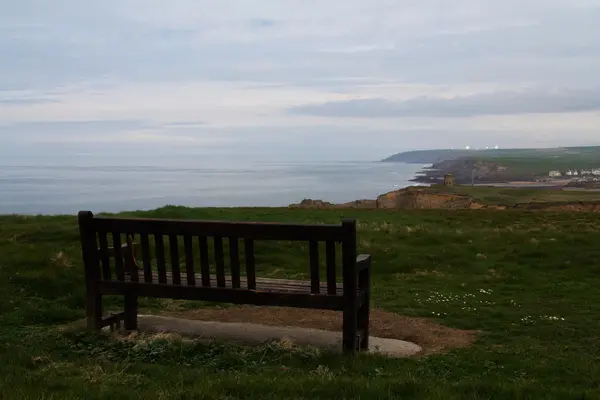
69,184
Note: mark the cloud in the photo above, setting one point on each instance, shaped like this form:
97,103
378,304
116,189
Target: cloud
499,103
48,131
18,102
191,68
262,23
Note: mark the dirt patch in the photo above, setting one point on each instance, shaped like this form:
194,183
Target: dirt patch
432,337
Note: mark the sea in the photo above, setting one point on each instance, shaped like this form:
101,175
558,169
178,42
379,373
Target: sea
65,185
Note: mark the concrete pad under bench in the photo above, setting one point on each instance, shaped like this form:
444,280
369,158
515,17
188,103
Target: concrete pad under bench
256,334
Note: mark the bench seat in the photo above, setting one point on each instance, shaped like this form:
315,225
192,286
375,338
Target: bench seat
262,284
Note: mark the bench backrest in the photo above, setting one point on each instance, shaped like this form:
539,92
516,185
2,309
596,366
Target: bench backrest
105,256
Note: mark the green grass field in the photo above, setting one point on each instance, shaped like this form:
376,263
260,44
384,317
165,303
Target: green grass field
540,162
509,196
528,281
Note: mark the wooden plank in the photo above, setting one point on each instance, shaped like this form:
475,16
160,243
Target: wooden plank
119,270
330,260
219,261
234,261
350,317
250,263
364,286
302,300
130,261
204,265
314,267
189,260
89,251
174,248
146,258
253,230
267,284
160,258
104,256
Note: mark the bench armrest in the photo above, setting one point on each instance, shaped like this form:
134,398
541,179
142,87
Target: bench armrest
363,261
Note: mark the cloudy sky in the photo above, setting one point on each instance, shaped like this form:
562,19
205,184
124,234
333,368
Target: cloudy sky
352,77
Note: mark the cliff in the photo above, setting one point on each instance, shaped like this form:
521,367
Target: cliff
467,169
415,198
408,198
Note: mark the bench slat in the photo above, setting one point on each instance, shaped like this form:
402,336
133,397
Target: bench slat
234,261
330,259
204,266
119,271
219,261
174,248
189,260
264,284
314,267
130,261
104,256
160,258
250,263
250,230
282,299
146,258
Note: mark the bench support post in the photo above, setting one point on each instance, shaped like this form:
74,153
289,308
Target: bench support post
131,310
350,339
92,270
364,287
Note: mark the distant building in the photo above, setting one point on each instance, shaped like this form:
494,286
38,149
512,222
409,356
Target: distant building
586,172
554,174
596,171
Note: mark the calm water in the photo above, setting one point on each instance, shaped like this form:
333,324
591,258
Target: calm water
66,186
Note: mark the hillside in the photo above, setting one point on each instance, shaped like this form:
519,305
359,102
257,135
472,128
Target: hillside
558,153
503,165
427,156
471,197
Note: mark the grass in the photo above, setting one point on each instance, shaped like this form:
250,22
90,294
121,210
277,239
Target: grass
539,162
527,280
519,161
510,196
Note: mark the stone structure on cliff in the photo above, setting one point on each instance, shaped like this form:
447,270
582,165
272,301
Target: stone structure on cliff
449,180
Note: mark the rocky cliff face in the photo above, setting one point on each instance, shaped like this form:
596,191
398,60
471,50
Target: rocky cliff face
412,198
418,198
467,169
310,203
409,198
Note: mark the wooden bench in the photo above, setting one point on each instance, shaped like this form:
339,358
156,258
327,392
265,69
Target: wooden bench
111,268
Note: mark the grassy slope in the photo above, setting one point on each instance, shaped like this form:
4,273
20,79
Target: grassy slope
511,196
539,162
532,265
534,160
523,164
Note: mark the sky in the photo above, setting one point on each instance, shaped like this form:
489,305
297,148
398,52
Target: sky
350,79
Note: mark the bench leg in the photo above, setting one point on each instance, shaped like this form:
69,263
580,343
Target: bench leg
93,310
364,284
350,330
131,310
363,322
